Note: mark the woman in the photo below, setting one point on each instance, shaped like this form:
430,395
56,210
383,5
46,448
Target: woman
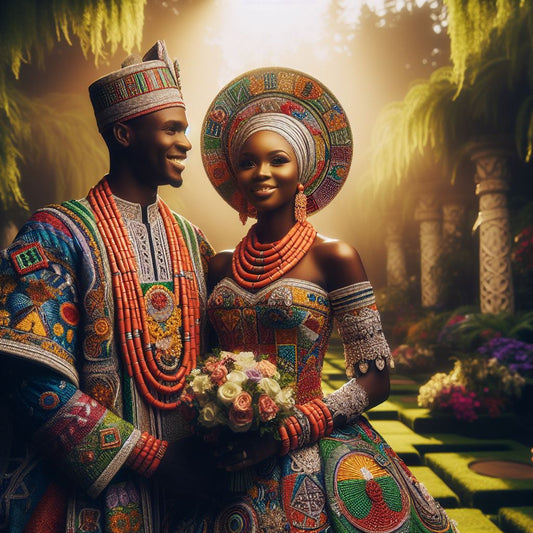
277,146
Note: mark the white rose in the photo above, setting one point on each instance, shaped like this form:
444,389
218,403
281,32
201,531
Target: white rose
201,384
269,386
210,415
285,399
237,376
228,391
244,361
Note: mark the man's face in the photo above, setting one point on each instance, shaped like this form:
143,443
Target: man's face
159,146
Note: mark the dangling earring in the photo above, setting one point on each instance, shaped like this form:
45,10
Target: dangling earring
243,210
300,205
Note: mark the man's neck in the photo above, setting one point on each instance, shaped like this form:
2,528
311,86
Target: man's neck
128,188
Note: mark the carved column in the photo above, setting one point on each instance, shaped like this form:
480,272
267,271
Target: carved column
453,215
396,268
495,276
428,214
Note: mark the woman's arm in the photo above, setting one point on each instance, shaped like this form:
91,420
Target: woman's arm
219,268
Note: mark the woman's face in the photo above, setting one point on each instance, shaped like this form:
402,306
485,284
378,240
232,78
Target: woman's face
267,171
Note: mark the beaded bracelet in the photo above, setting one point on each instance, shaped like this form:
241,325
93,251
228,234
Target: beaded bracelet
326,413
143,453
292,430
285,442
147,454
319,419
149,457
137,449
315,429
305,428
157,459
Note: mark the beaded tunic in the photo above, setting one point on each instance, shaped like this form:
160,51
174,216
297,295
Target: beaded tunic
57,310
349,481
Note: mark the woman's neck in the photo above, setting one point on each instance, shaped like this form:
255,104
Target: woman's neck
273,225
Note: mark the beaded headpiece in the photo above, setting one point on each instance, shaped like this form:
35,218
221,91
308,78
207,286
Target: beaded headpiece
141,86
278,99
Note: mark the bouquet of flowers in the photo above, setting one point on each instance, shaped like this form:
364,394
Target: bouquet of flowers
238,391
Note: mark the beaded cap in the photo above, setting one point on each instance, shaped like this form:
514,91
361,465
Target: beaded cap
139,87
292,93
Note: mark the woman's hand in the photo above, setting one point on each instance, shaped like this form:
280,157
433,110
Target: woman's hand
246,450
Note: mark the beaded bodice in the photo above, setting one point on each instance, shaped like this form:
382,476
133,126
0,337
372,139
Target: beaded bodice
290,320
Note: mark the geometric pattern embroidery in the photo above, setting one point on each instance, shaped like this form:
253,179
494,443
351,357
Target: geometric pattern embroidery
109,438
29,258
309,499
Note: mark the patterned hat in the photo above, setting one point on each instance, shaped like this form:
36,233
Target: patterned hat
139,87
290,93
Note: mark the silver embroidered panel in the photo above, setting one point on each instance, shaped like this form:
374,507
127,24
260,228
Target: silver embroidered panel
364,341
349,401
149,270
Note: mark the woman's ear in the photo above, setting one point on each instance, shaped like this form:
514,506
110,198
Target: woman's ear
123,134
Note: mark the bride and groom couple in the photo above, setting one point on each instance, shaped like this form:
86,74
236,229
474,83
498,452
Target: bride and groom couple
107,302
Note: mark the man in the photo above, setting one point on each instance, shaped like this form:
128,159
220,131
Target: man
101,318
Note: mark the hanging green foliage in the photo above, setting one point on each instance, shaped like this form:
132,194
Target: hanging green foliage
64,144
29,29
418,132
474,25
60,138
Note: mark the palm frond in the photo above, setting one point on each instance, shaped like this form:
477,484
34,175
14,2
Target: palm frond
62,139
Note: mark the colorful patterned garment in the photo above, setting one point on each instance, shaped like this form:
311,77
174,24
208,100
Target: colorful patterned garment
350,481
67,397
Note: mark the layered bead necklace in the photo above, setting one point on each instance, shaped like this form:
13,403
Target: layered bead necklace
255,265
158,388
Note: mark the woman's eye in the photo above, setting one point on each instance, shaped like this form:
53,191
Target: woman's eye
245,164
279,160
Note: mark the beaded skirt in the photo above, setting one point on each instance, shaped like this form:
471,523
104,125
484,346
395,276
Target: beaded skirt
349,481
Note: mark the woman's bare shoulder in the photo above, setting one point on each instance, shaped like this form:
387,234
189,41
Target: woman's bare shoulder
339,261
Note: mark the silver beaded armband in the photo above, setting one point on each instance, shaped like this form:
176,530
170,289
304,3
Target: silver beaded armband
349,401
360,328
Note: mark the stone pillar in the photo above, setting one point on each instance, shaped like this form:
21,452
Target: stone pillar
428,214
495,276
453,215
396,268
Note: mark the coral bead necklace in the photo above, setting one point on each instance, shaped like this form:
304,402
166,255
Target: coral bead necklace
160,389
255,265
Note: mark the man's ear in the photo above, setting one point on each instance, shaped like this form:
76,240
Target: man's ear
123,134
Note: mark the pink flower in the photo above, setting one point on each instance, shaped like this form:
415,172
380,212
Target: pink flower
267,408
218,374
266,368
211,363
241,413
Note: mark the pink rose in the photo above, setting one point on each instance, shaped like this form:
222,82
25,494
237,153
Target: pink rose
266,368
267,408
218,374
210,364
241,413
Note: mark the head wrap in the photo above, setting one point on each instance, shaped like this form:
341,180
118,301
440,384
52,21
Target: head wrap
288,102
139,87
293,131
